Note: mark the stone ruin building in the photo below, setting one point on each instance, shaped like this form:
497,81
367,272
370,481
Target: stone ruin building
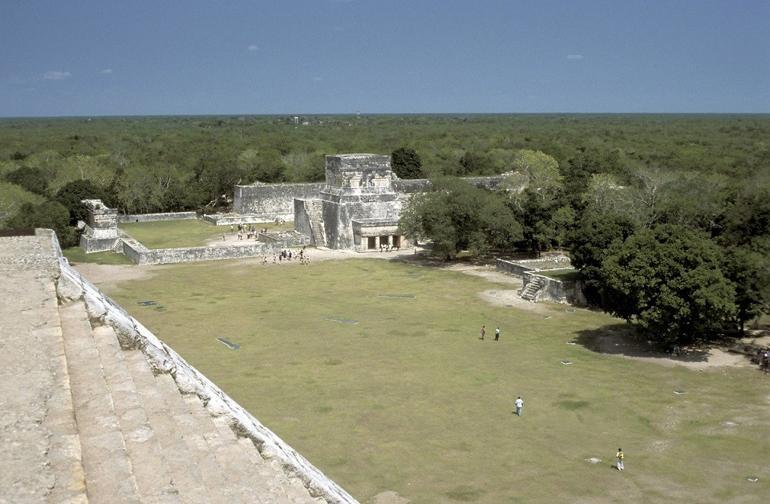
357,208
100,233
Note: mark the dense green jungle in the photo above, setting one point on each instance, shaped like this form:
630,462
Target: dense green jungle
168,163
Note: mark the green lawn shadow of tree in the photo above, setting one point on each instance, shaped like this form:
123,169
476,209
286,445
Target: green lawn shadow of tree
622,339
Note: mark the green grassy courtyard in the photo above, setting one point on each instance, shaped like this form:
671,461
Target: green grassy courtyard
183,233
375,372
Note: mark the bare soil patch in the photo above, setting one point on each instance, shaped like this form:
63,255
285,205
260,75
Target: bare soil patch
620,340
107,276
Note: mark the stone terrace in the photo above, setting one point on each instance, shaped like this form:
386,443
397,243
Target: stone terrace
83,420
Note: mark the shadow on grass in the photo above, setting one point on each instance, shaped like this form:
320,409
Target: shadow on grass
620,339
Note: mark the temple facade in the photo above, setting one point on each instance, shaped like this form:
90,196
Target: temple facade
357,209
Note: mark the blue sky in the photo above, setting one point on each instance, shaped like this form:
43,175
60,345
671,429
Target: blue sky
105,57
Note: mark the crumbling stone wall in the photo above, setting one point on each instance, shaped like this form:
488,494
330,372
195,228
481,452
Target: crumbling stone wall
557,291
157,217
139,254
272,201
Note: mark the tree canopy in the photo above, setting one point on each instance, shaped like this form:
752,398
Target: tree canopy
668,282
406,163
457,216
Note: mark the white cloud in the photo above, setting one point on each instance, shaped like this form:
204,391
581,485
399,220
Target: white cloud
56,75
253,47
574,56
106,71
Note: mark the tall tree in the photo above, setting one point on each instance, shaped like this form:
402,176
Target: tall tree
32,179
590,244
406,163
749,272
457,216
474,163
534,190
49,215
72,193
667,281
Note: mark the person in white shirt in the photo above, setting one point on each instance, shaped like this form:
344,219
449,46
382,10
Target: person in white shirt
519,403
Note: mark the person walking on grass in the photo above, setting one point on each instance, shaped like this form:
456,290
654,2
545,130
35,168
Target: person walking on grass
497,333
483,331
519,403
620,457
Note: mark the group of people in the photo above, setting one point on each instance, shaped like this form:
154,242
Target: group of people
484,332
387,247
289,255
249,230
518,404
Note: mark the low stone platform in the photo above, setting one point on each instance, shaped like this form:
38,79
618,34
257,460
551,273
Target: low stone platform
84,420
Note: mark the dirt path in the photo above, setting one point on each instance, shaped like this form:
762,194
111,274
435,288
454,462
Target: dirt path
107,276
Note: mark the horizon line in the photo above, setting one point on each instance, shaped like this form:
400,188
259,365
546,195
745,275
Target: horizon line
360,114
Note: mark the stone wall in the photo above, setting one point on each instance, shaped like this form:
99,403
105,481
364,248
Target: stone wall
232,219
557,291
518,268
139,254
91,245
411,186
272,201
156,217
512,267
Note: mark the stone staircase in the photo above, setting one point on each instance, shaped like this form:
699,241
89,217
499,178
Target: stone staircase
83,420
143,441
532,288
314,210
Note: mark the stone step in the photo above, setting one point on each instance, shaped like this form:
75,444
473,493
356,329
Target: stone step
192,474
241,461
153,478
205,441
41,457
247,480
64,454
108,472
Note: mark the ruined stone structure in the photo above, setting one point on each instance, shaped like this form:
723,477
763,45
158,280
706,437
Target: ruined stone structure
101,231
357,208
538,287
101,234
261,202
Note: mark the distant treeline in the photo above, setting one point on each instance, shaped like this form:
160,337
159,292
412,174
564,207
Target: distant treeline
156,164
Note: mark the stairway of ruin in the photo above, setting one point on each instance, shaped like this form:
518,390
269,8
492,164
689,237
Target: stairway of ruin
314,210
82,420
532,288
